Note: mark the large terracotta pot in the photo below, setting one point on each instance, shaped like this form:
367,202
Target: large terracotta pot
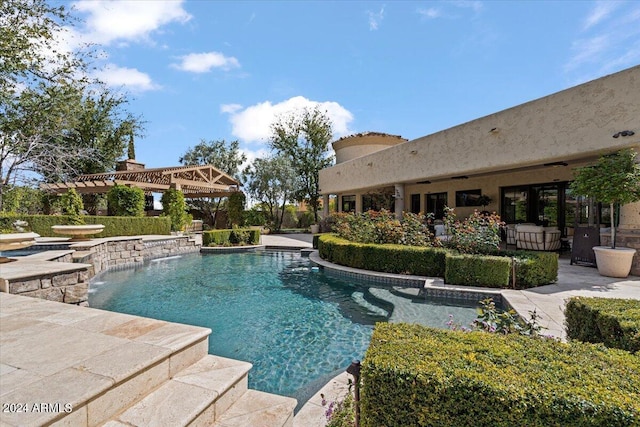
614,262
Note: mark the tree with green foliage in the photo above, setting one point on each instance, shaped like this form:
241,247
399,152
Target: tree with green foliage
174,206
54,120
235,208
72,206
303,137
273,182
613,180
125,201
23,200
226,157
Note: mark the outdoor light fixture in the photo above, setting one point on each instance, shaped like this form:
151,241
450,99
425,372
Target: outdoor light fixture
624,133
557,164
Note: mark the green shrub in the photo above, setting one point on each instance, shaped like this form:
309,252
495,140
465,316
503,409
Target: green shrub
125,201
22,200
422,261
418,376
230,236
113,225
72,207
613,322
235,208
533,268
477,270
174,206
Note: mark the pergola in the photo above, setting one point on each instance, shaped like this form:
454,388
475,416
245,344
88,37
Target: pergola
193,181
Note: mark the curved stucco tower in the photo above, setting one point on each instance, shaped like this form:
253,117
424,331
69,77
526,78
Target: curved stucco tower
360,144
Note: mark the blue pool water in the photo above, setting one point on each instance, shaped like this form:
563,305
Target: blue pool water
297,325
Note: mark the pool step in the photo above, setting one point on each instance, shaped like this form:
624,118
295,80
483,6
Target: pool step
115,369
195,396
259,409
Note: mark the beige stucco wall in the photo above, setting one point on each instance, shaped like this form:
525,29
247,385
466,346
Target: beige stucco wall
362,144
577,123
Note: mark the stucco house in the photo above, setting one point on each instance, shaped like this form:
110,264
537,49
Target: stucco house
522,158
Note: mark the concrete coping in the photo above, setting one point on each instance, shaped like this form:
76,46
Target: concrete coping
25,269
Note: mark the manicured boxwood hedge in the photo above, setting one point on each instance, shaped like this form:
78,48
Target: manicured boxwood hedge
113,225
227,237
418,376
475,270
532,268
614,322
421,261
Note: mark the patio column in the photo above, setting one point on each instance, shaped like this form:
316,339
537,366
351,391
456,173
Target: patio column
358,203
399,200
325,205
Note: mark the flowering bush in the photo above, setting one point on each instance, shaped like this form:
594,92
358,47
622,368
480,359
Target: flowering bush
478,234
383,227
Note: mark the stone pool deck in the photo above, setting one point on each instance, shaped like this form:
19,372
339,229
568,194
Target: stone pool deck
66,365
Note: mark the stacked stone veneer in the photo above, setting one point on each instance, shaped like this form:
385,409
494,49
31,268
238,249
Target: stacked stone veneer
70,286
629,239
126,253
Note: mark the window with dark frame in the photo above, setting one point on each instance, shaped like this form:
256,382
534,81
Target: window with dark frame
415,203
468,198
349,203
436,202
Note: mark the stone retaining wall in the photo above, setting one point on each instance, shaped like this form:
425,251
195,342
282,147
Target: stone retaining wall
69,286
69,282
127,253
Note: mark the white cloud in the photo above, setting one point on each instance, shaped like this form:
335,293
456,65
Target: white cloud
130,78
476,6
204,62
430,13
599,13
123,20
253,124
230,108
611,42
375,18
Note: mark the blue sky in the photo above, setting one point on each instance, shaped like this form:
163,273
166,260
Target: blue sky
226,69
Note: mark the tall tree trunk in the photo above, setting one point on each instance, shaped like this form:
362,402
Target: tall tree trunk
613,226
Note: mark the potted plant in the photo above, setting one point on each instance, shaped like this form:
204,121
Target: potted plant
614,180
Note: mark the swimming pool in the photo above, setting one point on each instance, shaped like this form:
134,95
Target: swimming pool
297,325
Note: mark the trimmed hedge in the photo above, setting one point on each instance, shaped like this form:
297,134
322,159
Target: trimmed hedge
613,322
228,236
418,260
532,268
113,225
418,376
475,270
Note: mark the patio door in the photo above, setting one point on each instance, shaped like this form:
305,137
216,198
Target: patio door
541,204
